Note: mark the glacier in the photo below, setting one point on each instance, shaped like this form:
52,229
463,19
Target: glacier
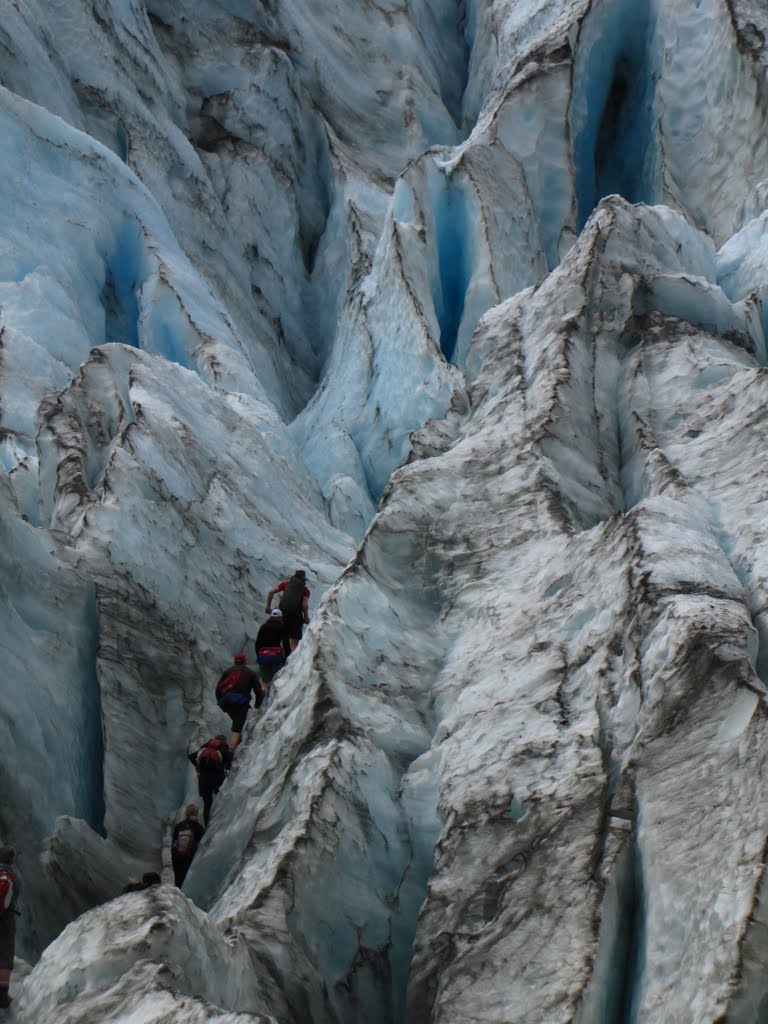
460,306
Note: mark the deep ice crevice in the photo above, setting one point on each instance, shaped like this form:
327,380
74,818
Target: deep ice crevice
611,108
121,285
451,227
618,965
89,744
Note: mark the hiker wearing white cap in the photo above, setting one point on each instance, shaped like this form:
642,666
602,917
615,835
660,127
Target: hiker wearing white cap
272,647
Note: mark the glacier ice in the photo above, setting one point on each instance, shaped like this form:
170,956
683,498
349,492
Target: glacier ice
461,307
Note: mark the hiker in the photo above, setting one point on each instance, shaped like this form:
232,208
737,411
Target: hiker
186,838
148,879
272,647
233,695
212,761
9,895
294,604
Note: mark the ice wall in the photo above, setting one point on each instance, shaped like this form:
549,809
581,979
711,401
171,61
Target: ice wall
461,307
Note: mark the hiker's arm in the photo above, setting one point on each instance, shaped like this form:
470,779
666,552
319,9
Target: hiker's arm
270,595
305,609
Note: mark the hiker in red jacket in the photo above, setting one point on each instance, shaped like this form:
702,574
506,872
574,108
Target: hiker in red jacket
294,604
233,695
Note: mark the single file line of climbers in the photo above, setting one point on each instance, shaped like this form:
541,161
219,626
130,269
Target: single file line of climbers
276,639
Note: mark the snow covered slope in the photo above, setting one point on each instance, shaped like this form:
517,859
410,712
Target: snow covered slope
459,306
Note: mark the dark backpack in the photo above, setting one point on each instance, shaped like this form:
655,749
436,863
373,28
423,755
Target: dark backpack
185,843
7,883
293,595
210,756
228,683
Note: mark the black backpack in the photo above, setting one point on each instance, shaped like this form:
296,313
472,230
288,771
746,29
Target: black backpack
185,843
293,595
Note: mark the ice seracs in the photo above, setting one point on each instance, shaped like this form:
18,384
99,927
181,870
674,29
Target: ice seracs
345,289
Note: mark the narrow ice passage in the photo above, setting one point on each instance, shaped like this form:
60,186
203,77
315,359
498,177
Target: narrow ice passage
612,105
122,278
90,736
453,242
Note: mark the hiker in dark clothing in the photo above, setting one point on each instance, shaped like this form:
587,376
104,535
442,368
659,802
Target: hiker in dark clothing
212,761
148,879
233,695
10,886
294,604
186,838
272,647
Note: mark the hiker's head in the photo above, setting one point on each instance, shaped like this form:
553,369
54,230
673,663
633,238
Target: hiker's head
275,614
190,811
151,878
301,574
221,738
239,658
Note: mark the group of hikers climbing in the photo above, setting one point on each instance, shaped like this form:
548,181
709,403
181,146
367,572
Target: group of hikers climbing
276,639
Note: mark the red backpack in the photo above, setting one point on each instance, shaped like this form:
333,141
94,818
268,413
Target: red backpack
210,756
229,682
7,882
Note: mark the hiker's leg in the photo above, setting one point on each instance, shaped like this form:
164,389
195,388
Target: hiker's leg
238,714
180,868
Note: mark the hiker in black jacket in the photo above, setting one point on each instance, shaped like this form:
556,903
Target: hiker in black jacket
233,695
212,761
294,604
272,647
10,887
186,839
